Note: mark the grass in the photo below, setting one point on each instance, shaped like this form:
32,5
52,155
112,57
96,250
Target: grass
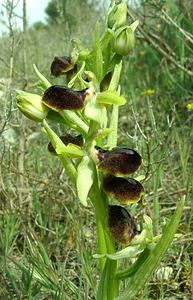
47,238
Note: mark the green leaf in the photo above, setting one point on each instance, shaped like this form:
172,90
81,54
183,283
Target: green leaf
85,178
102,289
144,272
106,49
116,77
112,138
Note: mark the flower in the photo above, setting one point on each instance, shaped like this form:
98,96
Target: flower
124,190
58,97
190,106
31,106
148,92
121,225
118,161
67,139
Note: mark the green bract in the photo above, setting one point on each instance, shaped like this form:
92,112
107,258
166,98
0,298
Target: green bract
85,179
67,139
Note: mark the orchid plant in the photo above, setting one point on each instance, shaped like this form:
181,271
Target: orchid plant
100,170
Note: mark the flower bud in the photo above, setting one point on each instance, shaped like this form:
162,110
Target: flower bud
67,139
121,225
31,106
117,15
118,161
124,190
58,97
61,65
124,40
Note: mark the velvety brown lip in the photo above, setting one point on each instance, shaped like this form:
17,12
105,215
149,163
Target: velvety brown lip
124,190
119,161
60,97
61,65
121,224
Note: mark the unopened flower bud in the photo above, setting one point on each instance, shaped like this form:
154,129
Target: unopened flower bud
124,40
124,190
121,225
67,139
58,97
118,161
117,15
31,106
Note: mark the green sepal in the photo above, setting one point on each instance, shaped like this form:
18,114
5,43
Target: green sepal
58,145
43,82
110,97
85,178
134,25
70,150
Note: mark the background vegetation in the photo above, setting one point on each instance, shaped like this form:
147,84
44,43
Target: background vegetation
46,238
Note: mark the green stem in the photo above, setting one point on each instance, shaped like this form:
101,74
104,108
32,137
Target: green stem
110,286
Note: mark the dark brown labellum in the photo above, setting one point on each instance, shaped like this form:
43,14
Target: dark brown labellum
58,97
119,161
61,65
67,139
121,225
124,190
